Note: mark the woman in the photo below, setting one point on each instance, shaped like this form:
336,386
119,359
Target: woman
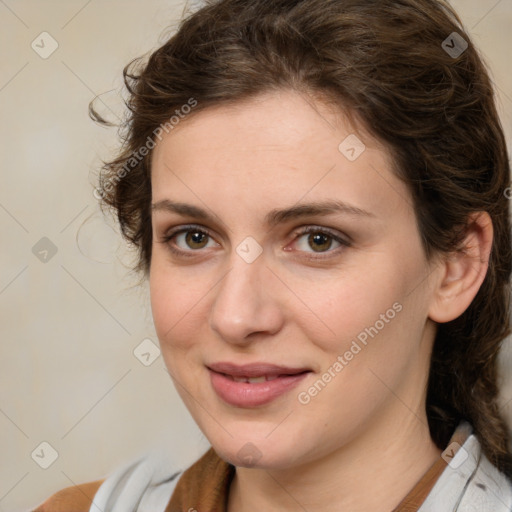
318,193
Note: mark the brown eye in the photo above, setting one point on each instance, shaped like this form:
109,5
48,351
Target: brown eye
188,240
319,242
196,239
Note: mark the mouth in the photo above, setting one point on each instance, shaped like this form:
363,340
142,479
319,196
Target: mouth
254,384
253,380
261,378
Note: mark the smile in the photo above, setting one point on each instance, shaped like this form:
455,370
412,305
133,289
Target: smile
253,385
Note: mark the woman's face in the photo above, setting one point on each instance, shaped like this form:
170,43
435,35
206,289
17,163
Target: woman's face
286,252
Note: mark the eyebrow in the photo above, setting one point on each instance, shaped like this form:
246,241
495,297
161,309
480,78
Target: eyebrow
273,217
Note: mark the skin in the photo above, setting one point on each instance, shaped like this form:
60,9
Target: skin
362,442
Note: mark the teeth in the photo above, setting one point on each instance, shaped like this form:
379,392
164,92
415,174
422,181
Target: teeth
254,380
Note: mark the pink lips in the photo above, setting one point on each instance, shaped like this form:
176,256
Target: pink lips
268,382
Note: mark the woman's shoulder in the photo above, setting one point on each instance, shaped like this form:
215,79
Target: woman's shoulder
470,482
149,480
77,498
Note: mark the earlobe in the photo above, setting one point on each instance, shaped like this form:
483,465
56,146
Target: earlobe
463,271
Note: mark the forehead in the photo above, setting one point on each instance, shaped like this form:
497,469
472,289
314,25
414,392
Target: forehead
277,120
278,147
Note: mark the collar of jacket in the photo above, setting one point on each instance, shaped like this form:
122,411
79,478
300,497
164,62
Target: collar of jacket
470,483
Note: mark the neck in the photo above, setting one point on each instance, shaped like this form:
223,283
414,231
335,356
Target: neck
374,472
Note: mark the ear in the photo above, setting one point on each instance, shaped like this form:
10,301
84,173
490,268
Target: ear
463,272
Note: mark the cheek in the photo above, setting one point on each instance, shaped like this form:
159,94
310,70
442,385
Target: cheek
351,301
369,313
172,301
180,299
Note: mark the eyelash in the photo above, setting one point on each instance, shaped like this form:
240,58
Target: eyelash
166,239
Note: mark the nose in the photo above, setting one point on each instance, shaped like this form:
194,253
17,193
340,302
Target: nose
246,305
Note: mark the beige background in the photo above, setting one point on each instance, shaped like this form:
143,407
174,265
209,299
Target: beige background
68,374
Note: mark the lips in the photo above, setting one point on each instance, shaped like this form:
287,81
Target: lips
253,384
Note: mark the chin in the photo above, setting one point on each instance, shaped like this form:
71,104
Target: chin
256,451
253,455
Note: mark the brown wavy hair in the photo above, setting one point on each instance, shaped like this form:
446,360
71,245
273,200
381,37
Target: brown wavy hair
385,62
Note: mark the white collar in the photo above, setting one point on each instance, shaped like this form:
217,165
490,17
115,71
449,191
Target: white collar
470,483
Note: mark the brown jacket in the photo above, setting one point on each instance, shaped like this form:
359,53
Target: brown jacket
71,499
